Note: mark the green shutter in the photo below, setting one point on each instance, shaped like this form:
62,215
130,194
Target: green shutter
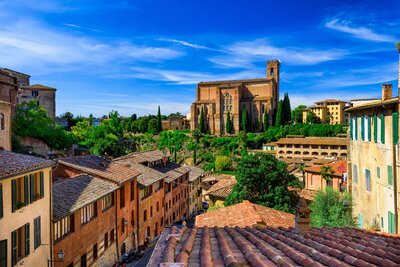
1,201
41,184
375,129
37,233
390,174
356,128
351,129
32,187
382,128
14,249
26,190
14,195
395,117
27,239
362,128
391,222
369,128
378,172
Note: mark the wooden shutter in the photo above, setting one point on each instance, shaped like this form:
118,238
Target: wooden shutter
26,190
391,222
369,128
3,253
37,232
351,129
395,117
362,128
41,184
32,187
375,129
382,128
356,128
27,239
14,194
14,249
390,174
1,202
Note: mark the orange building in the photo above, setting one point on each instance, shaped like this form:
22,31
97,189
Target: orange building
315,181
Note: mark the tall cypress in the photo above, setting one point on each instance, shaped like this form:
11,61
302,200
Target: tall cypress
265,121
228,124
159,124
245,120
286,110
279,114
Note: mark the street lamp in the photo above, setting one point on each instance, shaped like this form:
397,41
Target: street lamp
60,256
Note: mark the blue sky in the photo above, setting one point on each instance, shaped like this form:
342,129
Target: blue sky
132,56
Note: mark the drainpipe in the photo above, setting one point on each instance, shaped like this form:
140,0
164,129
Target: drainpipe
396,217
137,216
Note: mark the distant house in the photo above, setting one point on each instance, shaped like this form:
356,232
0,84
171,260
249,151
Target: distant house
329,111
175,122
315,181
219,191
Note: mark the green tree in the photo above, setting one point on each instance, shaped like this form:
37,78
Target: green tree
298,114
286,110
312,118
223,163
159,123
265,121
152,126
264,180
82,132
229,123
332,209
202,126
245,120
197,134
279,115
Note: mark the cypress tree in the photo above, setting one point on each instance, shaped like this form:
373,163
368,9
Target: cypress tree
279,114
228,124
159,124
286,110
265,121
245,120
202,127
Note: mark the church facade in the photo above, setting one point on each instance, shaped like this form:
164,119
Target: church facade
217,98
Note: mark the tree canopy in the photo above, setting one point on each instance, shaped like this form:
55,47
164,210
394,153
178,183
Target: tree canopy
298,113
264,180
332,209
279,115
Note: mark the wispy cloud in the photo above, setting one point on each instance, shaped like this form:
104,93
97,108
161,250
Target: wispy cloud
75,26
357,32
185,43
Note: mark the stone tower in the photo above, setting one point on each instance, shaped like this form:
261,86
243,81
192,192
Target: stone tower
273,69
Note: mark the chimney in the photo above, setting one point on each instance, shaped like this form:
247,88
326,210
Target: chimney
386,91
302,219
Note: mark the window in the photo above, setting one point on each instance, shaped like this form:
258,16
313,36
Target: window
122,197
360,220
88,213
145,215
159,185
380,127
151,211
366,128
122,225
95,252
132,217
368,180
132,190
20,244
390,174
2,122
112,236
106,240
83,260
63,227
355,174
26,190
107,201
391,223
158,206
35,93
37,236
378,172
145,192
227,99
3,253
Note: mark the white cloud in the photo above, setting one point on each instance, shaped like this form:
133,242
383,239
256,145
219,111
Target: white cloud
79,27
358,32
185,43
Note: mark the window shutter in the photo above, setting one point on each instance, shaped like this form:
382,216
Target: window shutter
356,128
1,201
390,174
382,128
3,253
26,190
369,128
362,128
37,232
375,129
395,117
351,128
27,239
14,194
14,248
41,184
32,186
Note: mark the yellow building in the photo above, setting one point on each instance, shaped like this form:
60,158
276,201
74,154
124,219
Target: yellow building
25,210
374,160
329,111
195,196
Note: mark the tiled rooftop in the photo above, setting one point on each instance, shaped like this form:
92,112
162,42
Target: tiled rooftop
338,167
269,246
39,87
257,80
144,156
222,188
172,170
71,194
373,104
314,141
13,163
244,214
101,167
195,173
148,175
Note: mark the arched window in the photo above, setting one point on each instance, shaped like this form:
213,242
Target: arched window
2,122
271,72
227,102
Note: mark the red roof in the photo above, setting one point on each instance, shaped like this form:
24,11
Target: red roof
245,214
339,167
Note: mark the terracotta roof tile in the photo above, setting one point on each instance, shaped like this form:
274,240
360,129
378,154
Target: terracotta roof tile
314,141
195,173
71,194
269,246
13,163
145,156
101,167
39,87
236,82
223,187
172,170
245,214
338,167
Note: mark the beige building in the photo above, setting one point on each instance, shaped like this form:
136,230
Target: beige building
215,99
25,210
374,161
329,111
311,147
195,195
175,122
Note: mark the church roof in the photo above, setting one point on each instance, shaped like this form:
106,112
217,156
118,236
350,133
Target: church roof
236,81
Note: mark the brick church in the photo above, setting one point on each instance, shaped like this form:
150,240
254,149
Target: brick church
216,98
